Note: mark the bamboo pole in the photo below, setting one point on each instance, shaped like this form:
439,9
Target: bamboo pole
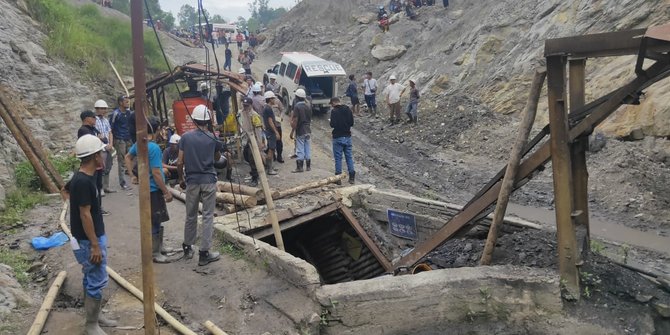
132,289
34,143
236,199
119,78
513,165
28,151
43,313
314,184
178,326
213,328
256,152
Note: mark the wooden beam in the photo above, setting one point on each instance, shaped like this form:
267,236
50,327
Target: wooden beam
580,174
295,221
236,199
388,267
311,185
562,175
513,165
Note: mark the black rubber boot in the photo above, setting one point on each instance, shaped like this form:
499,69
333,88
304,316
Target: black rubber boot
298,166
309,165
352,177
206,257
229,174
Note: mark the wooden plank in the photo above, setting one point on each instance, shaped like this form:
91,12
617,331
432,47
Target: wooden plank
310,185
366,239
562,175
296,221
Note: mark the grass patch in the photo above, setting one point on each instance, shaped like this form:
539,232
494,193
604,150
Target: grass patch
85,38
232,250
16,204
27,178
18,262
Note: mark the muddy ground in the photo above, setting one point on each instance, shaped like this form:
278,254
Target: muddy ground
447,156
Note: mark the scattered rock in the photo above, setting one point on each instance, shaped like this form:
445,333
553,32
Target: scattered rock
662,309
388,52
643,298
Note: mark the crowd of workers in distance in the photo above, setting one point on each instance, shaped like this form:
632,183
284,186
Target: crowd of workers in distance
397,6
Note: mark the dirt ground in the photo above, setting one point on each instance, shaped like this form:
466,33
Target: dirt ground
447,156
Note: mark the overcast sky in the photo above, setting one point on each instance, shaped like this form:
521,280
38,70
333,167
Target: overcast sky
229,9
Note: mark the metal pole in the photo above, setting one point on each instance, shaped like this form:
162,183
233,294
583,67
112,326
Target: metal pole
561,166
580,173
143,166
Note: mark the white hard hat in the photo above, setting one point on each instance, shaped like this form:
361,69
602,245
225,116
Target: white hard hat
256,88
200,113
88,145
300,93
273,76
241,71
204,86
392,77
100,104
174,139
269,95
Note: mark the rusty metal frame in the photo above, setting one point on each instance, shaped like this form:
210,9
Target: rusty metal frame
582,122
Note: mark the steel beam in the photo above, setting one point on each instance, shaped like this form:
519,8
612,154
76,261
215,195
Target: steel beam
602,45
580,174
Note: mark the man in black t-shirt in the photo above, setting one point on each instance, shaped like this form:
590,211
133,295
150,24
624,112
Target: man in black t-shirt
271,131
88,229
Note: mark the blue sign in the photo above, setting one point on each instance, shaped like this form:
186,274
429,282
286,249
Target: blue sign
402,224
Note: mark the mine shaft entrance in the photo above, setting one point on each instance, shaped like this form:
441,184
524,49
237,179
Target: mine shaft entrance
335,244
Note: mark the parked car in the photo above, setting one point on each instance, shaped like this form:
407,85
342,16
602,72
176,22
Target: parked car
317,75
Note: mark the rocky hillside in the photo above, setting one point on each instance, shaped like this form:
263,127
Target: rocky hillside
485,50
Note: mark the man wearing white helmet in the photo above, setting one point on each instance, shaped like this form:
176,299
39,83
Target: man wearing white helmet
392,94
272,133
89,242
301,119
105,131
251,124
198,150
170,156
272,85
257,98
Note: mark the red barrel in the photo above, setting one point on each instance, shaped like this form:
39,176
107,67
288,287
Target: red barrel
182,118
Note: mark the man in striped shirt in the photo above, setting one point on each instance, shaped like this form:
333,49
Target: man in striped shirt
105,130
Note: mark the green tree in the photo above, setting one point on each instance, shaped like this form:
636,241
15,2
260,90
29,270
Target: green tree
168,21
241,23
188,17
216,18
153,7
263,14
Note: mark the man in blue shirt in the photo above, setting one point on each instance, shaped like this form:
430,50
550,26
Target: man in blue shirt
120,121
198,150
159,192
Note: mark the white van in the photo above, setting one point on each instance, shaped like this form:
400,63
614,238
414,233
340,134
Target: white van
317,75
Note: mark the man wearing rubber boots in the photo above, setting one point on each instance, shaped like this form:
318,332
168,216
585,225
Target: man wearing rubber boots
301,120
198,150
159,193
89,242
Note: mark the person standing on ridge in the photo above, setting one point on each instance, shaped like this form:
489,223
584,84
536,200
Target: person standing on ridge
392,94
352,93
198,150
413,105
341,120
229,57
301,120
370,91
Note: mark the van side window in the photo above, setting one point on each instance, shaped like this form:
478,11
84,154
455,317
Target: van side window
290,71
282,68
275,69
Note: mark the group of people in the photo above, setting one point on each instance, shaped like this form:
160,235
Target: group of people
391,94
396,6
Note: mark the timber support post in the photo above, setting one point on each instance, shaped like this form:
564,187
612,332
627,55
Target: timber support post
580,174
562,175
